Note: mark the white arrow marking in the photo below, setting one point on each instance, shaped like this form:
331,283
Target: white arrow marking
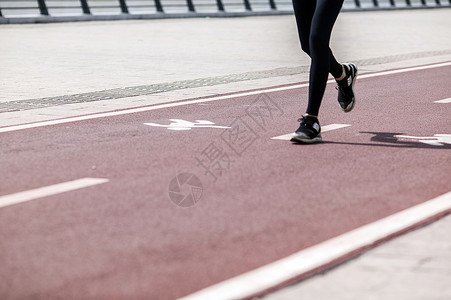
436,140
178,124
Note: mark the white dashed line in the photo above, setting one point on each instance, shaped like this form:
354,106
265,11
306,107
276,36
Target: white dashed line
325,254
287,137
447,100
49,191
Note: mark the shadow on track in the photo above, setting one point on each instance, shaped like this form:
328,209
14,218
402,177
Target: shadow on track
398,140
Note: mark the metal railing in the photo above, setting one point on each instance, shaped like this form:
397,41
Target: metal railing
19,11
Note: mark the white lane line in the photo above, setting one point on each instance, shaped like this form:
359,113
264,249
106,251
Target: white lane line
49,191
180,103
383,73
447,100
143,109
324,254
287,137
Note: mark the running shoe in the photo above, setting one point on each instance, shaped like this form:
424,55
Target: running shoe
309,131
346,96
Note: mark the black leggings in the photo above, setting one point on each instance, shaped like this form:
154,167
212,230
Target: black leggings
315,20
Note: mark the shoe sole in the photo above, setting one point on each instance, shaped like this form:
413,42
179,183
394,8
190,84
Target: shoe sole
352,104
317,139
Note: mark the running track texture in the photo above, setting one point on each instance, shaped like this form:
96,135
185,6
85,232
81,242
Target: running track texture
180,200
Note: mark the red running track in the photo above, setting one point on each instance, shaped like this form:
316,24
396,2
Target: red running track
262,200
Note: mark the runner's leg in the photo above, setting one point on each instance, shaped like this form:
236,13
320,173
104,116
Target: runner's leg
303,12
323,61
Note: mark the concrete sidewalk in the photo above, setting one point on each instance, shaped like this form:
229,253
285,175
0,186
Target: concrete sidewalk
70,63
415,266
50,71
